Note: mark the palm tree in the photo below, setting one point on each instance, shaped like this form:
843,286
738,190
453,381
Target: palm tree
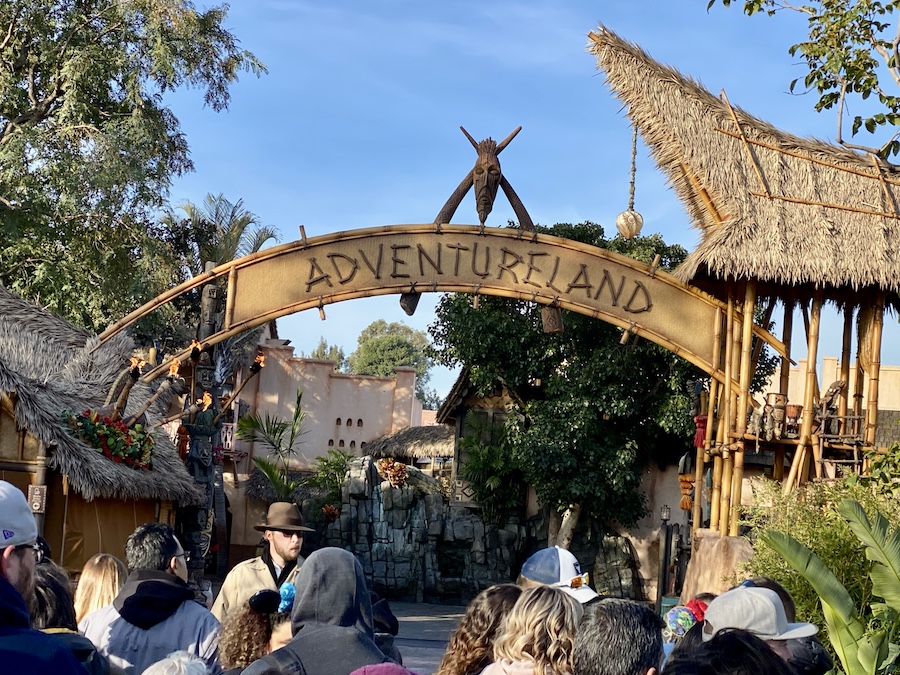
282,437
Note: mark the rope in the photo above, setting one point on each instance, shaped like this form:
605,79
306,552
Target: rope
633,166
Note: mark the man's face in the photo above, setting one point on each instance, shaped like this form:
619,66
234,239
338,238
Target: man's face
17,565
284,546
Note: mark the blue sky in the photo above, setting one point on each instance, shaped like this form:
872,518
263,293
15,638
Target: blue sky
357,123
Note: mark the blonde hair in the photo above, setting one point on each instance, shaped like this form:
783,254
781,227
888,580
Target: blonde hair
100,582
540,628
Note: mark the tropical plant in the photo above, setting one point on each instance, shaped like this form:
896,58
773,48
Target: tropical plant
491,469
282,437
392,471
863,637
330,472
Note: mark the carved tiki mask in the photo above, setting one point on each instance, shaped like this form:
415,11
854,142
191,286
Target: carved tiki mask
487,178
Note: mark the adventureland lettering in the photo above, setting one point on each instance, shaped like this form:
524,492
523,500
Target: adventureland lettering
534,268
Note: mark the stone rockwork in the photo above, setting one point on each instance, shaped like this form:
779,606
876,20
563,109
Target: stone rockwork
415,545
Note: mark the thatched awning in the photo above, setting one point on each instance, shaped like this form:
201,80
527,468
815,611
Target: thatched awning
784,210
414,443
46,367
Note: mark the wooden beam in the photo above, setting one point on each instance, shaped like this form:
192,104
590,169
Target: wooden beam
762,181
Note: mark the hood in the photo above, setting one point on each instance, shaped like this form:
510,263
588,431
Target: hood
151,597
331,589
13,610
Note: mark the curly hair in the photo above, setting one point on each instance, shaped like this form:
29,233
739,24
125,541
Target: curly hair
245,636
540,628
471,645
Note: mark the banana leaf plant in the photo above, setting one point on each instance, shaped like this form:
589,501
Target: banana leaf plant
864,641
282,437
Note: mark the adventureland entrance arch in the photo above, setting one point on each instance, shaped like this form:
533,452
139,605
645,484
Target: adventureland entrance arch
506,262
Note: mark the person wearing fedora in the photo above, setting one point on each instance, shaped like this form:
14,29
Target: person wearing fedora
278,564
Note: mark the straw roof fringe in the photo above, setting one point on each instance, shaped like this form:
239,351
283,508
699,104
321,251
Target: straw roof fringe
415,443
696,143
47,367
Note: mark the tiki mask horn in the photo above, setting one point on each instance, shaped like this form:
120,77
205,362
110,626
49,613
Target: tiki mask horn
508,139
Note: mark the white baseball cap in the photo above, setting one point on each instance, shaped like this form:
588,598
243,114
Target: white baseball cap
555,566
755,610
17,524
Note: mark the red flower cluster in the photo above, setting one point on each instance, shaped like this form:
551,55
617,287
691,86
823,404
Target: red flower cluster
115,440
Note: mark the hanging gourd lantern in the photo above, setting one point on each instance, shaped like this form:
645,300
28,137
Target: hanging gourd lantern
630,222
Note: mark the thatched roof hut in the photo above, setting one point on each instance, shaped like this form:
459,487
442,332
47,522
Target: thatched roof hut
47,367
414,443
793,213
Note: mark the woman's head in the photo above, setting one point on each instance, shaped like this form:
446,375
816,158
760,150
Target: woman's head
248,635
472,643
100,582
52,605
540,627
732,652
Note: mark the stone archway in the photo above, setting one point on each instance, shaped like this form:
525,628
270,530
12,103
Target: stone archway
506,262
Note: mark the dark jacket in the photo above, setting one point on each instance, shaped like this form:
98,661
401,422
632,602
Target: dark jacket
154,615
82,649
24,650
331,620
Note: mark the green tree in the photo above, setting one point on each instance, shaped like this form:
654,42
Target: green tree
592,411
382,347
328,352
88,148
851,50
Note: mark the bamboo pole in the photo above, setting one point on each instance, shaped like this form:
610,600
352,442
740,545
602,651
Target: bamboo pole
715,497
827,205
743,405
784,385
809,394
811,160
887,193
697,517
875,372
759,175
229,298
727,459
845,369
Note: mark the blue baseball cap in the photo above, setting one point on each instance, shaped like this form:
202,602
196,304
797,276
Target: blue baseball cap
557,567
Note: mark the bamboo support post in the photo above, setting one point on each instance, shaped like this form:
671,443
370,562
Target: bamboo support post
229,298
715,499
697,518
810,391
788,328
875,333
727,460
746,363
845,369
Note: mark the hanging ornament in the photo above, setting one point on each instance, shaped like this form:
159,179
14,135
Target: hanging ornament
630,222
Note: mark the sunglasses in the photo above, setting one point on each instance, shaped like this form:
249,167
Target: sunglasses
35,548
265,601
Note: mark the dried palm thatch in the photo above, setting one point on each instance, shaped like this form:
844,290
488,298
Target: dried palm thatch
414,443
784,210
46,367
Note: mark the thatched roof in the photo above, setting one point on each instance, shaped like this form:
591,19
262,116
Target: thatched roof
830,219
414,442
46,367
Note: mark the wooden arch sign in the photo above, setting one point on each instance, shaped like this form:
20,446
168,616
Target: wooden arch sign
464,258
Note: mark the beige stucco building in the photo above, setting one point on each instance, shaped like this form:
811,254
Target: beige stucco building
342,411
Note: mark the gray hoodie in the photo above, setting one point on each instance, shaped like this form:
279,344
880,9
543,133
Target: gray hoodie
331,620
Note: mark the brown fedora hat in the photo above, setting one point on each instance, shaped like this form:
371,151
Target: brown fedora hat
283,516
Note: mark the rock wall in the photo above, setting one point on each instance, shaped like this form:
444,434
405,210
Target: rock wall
414,545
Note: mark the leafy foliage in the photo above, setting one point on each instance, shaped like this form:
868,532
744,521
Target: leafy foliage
328,352
593,411
115,440
862,636
382,347
282,438
848,51
810,515
330,472
88,148
491,469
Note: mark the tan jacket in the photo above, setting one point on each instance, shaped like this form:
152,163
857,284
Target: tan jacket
243,581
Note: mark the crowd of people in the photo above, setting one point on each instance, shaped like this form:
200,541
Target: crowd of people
281,613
